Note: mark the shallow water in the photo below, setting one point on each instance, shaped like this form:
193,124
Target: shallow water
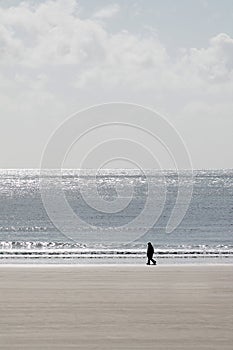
28,234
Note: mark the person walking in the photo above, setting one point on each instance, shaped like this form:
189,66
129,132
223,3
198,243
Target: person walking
150,252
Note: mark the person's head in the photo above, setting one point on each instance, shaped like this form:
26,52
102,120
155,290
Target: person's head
149,243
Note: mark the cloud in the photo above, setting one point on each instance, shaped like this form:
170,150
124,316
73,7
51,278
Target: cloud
107,12
58,62
214,63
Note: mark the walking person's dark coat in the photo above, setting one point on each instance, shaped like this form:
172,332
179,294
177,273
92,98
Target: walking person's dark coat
150,253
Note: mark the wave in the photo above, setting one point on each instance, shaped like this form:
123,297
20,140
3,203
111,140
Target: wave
24,229
62,250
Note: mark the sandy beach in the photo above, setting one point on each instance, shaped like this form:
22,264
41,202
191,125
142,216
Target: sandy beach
116,307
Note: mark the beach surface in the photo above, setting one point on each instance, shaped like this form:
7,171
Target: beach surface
116,307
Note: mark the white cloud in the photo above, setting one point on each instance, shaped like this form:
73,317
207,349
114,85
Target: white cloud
214,62
107,12
57,62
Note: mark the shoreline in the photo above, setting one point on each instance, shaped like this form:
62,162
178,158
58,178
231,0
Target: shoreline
116,265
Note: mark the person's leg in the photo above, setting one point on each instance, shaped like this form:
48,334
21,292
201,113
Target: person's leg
154,262
148,261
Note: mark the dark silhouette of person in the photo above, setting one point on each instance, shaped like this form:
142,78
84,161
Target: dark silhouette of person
150,252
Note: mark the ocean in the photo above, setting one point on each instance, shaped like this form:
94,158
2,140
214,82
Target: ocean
110,220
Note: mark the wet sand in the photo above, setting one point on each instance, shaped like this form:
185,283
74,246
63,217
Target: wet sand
116,307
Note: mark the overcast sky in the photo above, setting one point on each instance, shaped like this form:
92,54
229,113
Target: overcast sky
57,57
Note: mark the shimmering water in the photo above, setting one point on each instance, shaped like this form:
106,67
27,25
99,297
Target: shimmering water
27,234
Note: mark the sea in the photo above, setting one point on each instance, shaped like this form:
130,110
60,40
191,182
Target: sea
109,220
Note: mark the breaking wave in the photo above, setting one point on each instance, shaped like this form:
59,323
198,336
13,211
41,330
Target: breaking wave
61,250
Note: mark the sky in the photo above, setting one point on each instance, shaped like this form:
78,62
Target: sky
59,57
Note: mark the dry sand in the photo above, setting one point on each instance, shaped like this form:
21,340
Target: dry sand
116,307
